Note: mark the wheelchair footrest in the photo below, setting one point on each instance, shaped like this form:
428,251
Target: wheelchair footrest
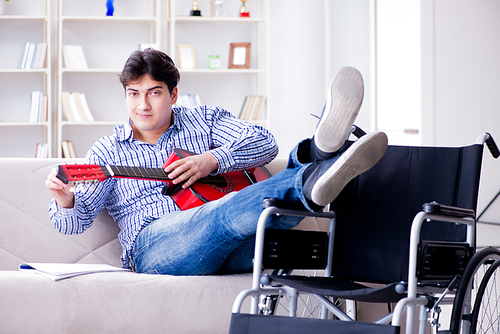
294,249
249,324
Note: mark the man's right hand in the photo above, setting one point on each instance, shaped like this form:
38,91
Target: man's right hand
62,192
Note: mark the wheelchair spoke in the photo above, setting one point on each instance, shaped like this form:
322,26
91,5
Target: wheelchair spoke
486,315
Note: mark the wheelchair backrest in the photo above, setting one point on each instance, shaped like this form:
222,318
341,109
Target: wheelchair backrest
375,210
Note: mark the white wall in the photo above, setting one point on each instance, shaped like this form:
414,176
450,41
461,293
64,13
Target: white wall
461,73
296,69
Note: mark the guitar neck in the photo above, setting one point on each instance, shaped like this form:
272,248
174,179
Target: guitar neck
142,173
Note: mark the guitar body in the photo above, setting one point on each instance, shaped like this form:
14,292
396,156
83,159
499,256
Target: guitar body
202,191
218,186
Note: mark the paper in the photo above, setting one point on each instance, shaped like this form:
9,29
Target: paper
59,271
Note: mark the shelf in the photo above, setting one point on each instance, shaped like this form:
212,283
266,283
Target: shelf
18,70
108,18
197,19
91,70
23,17
224,71
99,123
24,123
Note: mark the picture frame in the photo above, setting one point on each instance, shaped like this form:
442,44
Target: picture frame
239,55
186,56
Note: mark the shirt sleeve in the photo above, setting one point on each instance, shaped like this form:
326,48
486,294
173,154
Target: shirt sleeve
239,144
89,201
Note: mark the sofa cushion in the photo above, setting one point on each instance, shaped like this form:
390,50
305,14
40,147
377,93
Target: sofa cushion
118,303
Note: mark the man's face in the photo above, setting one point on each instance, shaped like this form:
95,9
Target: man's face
149,105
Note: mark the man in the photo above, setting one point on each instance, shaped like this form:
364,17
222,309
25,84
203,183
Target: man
156,236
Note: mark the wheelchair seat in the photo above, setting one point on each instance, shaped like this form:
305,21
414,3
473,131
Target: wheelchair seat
407,224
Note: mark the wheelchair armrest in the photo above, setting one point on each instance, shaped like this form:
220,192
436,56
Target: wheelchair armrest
280,204
440,209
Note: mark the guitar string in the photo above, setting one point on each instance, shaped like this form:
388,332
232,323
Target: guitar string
159,174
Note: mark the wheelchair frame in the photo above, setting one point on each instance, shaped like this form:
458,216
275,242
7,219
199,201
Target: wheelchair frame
427,300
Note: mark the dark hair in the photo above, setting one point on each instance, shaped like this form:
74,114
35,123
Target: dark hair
157,64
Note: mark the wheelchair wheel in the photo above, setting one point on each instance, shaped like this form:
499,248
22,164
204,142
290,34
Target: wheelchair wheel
486,312
468,289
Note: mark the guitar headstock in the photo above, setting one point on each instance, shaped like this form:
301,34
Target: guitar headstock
75,174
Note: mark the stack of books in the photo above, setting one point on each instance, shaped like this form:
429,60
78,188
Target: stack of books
252,108
75,107
68,149
32,56
73,57
42,150
39,107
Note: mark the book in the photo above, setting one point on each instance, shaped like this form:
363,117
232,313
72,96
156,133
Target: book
32,55
39,107
68,149
22,56
66,106
42,150
75,107
86,109
59,271
252,108
72,151
39,57
258,108
73,57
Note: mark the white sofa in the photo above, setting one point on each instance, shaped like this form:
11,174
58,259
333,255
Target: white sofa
96,303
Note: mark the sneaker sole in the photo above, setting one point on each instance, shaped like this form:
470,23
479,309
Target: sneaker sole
360,157
347,90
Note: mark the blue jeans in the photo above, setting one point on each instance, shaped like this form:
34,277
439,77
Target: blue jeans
220,233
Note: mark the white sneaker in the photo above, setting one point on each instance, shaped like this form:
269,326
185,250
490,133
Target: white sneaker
331,176
342,106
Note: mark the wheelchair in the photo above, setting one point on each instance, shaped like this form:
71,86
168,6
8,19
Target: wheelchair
401,235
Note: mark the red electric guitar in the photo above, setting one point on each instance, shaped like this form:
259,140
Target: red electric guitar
204,190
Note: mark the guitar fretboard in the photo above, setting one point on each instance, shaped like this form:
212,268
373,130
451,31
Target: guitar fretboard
160,175
140,172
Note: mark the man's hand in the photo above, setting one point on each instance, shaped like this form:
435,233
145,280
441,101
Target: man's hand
191,169
61,192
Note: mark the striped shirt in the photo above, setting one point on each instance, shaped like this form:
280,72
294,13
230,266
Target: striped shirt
134,203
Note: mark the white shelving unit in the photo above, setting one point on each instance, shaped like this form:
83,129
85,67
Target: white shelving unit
19,25
208,34
107,42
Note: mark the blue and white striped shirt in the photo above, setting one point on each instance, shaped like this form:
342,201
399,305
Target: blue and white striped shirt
134,203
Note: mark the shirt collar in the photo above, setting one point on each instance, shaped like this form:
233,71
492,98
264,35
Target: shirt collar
124,132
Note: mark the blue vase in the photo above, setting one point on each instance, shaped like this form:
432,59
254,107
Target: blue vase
111,9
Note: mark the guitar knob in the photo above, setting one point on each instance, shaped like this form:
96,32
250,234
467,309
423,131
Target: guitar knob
165,189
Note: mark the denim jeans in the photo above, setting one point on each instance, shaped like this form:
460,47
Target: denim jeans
220,233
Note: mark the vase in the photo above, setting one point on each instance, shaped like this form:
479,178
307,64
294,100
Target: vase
109,5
